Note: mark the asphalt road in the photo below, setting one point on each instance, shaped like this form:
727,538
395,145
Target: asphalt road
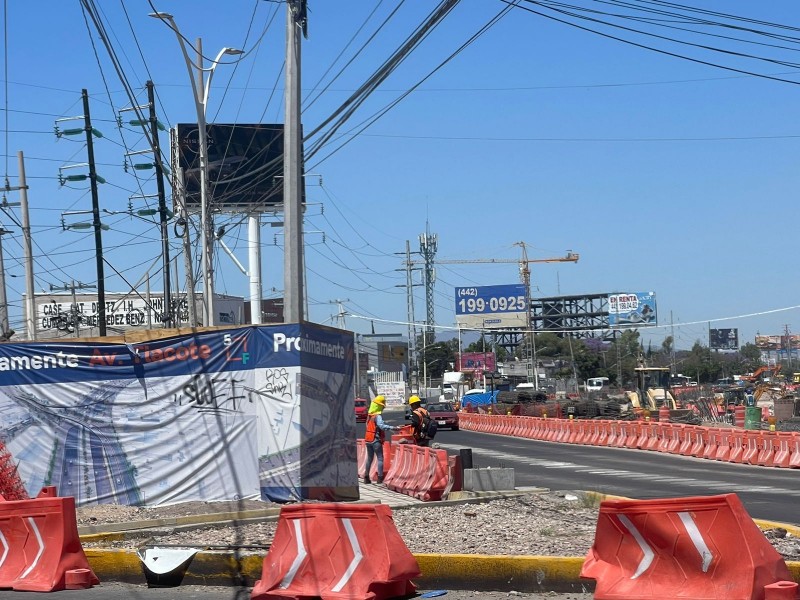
767,492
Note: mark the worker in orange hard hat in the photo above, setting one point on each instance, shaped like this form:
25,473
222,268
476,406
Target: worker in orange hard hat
375,436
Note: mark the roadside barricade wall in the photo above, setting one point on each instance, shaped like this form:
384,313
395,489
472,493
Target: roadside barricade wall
755,447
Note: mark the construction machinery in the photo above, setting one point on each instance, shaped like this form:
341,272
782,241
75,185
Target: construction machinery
764,373
652,389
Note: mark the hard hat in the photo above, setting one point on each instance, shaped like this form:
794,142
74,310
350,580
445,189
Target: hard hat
380,401
414,400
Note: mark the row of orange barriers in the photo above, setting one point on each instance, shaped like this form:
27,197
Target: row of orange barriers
424,473
767,448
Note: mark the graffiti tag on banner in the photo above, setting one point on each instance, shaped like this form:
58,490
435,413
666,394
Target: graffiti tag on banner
393,391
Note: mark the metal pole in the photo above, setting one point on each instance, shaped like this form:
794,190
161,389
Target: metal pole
177,303
206,235
30,305
98,232
5,330
254,256
292,183
162,209
75,319
188,265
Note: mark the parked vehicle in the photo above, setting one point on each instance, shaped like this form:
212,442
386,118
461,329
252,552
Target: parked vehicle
362,406
596,384
445,415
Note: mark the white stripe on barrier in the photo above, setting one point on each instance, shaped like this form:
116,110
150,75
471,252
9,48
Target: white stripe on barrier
647,559
41,548
697,539
5,548
298,560
357,556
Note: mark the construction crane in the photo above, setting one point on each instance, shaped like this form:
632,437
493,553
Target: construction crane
525,276
570,257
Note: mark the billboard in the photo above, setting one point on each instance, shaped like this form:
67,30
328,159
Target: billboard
723,339
632,309
245,164
476,362
392,356
778,342
61,314
491,307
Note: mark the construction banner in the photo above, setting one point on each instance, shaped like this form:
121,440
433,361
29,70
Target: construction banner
253,412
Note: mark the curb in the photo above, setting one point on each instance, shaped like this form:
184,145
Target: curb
527,574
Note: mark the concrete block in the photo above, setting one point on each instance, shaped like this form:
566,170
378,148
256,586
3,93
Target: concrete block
488,480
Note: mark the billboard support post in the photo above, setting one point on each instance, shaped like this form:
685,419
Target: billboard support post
254,257
293,219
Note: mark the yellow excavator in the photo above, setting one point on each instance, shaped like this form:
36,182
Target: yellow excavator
652,389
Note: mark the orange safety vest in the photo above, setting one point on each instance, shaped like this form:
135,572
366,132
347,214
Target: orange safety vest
420,412
372,429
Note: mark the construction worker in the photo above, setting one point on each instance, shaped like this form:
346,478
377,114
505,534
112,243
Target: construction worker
418,417
375,436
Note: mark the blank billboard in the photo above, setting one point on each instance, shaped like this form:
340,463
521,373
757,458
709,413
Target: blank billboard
723,339
245,164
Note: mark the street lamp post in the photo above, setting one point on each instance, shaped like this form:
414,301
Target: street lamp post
200,94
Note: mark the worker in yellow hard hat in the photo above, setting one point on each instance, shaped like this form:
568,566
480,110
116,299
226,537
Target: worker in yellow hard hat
420,418
375,436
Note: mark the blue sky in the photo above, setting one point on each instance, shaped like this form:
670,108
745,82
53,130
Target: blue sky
664,175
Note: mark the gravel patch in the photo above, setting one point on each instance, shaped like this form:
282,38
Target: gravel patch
544,524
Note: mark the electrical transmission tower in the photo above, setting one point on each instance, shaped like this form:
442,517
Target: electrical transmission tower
427,248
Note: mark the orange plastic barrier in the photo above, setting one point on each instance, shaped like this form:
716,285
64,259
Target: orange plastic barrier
724,445
794,448
434,476
343,551
752,446
675,438
697,547
712,441
783,450
781,590
361,458
40,550
631,432
766,456
737,446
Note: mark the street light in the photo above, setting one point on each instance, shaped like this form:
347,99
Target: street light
200,104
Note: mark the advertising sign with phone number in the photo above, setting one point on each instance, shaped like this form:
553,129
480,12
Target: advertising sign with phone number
491,307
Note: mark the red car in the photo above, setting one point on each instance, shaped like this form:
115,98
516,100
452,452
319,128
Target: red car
361,410
444,414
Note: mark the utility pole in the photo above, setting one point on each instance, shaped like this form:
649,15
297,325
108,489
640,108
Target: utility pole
98,234
5,329
340,322
412,324
30,305
188,266
167,315
292,161
427,246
